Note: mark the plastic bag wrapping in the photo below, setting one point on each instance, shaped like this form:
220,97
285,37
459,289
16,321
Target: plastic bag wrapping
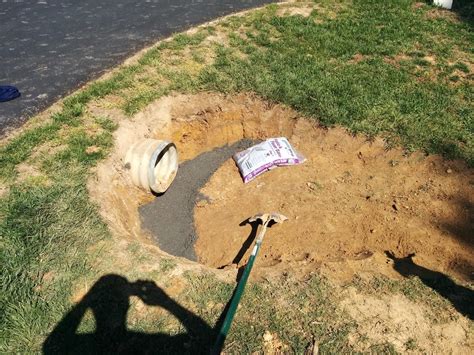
265,156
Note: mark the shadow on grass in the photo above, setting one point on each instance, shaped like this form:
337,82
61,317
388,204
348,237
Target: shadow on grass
109,301
462,298
465,10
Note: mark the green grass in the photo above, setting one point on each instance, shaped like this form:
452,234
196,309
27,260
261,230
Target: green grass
45,226
292,311
395,89
43,229
307,66
413,289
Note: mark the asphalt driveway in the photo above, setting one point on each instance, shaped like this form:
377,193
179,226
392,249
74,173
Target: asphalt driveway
48,48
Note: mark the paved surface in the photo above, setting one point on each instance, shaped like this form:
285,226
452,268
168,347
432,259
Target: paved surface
48,48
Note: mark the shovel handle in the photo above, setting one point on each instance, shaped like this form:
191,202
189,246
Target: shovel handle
235,300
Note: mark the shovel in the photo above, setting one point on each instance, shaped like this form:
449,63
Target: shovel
265,219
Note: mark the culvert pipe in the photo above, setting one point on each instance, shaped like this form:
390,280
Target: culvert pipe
153,164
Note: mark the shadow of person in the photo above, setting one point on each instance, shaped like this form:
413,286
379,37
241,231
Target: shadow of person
462,298
109,301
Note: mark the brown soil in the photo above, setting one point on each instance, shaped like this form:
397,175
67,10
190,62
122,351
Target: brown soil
112,188
396,320
292,10
442,14
350,199
348,203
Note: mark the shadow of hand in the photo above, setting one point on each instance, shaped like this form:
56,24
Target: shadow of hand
149,293
406,259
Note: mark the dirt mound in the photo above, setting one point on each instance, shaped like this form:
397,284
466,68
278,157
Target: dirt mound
352,197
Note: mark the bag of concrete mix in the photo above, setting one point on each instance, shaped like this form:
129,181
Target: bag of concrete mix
265,156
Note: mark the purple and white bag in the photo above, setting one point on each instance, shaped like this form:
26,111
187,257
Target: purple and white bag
265,156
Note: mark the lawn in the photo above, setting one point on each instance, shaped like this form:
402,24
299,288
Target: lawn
396,69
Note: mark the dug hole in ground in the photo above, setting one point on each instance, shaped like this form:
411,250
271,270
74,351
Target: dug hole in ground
347,205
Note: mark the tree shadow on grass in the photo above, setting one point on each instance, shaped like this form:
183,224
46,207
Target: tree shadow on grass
109,301
462,298
465,10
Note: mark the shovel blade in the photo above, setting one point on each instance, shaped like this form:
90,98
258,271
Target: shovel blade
265,218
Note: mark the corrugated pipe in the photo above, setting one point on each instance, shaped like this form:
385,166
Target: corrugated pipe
153,164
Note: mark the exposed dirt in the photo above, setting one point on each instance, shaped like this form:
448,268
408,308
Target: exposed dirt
292,10
404,324
347,204
440,13
4,190
350,200
26,171
161,215
112,189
